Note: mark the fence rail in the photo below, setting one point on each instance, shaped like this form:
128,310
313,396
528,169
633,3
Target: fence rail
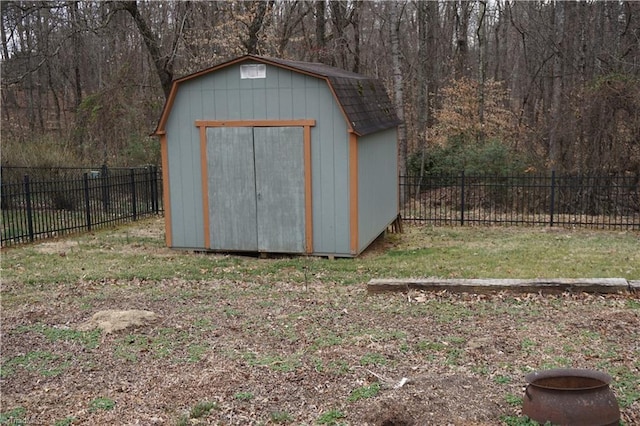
607,202
40,203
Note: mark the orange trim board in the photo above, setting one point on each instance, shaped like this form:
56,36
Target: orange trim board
306,124
254,123
165,190
205,187
308,198
160,129
353,192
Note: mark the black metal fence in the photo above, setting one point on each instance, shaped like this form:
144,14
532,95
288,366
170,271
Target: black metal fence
608,202
41,203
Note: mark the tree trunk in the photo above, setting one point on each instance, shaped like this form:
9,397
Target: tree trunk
321,37
3,33
394,26
77,46
482,67
339,21
355,22
423,92
164,65
462,45
556,87
251,42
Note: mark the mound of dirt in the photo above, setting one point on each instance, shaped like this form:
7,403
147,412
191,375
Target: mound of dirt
425,398
114,320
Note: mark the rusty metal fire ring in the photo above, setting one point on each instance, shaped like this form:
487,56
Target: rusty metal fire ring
571,397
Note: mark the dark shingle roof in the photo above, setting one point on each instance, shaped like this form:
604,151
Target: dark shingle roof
364,100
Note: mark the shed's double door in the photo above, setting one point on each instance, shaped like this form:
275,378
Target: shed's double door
256,188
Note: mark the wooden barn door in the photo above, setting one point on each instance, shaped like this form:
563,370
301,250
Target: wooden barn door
279,160
256,189
232,193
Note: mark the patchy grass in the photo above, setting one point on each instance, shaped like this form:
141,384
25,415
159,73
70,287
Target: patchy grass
281,417
330,418
102,403
67,421
14,416
202,409
421,252
44,363
88,339
243,396
364,392
303,335
199,411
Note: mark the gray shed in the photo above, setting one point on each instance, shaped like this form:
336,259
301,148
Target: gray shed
271,155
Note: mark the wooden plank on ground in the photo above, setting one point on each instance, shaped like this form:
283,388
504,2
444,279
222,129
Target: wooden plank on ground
548,285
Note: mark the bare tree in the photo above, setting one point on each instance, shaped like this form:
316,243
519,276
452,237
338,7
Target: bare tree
462,9
481,34
256,12
163,61
321,32
395,15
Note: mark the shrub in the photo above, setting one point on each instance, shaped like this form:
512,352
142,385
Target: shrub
492,157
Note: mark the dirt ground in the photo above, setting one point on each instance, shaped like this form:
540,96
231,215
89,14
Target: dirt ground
273,353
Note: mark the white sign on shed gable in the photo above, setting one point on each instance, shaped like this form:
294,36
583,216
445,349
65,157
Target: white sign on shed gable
253,71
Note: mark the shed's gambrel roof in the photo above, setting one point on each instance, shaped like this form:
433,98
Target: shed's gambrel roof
363,100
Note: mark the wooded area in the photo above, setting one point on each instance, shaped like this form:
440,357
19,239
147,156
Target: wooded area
534,85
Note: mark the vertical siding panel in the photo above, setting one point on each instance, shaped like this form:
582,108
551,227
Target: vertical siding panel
174,176
231,76
284,79
341,179
208,105
196,150
258,83
193,185
218,81
322,153
233,110
220,104
246,105
178,136
261,106
318,209
273,78
378,184
284,98
219,84
300,100
185,163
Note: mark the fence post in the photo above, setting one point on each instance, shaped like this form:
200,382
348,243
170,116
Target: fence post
105,188
149,189
27,193
553,197
154,190
134,200
87,203
462,198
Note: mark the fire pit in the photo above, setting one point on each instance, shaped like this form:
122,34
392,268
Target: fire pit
571,397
